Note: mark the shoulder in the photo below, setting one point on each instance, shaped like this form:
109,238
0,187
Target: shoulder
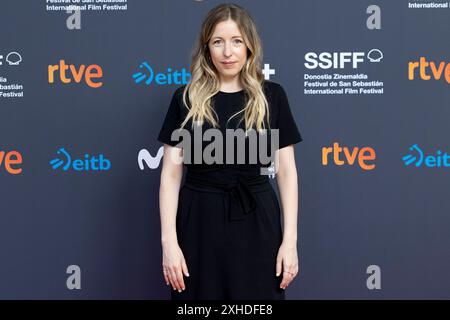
272,87
181,88
275,93
177,97
178,92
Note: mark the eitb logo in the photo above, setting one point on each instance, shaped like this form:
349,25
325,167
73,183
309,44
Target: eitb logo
65,162
417,158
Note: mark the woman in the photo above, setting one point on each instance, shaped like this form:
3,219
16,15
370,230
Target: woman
221,231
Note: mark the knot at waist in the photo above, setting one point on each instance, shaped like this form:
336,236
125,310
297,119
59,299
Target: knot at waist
238,188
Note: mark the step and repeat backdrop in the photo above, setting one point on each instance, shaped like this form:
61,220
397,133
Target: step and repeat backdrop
85,85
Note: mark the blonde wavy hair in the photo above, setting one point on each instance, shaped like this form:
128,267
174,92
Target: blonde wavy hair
205,82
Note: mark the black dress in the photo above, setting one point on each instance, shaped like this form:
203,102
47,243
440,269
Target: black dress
229,219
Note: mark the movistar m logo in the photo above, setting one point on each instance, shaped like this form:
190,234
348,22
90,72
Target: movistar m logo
417,158
152,162
89,163
170,77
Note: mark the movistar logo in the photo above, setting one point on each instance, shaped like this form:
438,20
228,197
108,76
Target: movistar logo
147,74
144,157
89,163
417,158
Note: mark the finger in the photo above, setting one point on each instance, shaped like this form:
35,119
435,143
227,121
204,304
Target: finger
180,278
172,283
173,278
287,283
285,275
185,268
166,277
290,278
284,280
287,278
292,273
278,268
291,269
288,269
176,271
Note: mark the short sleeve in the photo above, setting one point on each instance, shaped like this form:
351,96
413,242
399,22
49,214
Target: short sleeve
171,121
287,128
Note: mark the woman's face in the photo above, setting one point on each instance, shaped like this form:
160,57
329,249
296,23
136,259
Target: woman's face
227,45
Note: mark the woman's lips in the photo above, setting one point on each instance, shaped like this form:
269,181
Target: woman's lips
228,64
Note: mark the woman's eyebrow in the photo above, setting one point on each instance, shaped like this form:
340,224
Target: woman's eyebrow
231,37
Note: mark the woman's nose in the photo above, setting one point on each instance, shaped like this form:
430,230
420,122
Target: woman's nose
227,49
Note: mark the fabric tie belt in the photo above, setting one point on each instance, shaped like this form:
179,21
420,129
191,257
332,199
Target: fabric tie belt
239,190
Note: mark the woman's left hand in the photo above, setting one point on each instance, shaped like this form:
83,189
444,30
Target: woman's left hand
287,263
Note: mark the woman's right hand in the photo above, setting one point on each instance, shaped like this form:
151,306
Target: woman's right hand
174,266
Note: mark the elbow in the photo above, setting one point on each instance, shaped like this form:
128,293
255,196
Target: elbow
287,173
170,176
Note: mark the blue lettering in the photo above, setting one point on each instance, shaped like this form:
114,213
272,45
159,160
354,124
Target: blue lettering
78,165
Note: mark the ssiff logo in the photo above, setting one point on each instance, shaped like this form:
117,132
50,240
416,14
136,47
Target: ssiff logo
417,158
340,60
362,155
89,163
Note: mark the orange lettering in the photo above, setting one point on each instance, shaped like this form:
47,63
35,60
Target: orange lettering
362,158
77,75
351,158
97,74
437,73
69,72
9,161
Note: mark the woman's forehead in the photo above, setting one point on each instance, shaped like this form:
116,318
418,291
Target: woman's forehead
227,28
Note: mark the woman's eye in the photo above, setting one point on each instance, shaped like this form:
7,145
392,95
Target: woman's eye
219,41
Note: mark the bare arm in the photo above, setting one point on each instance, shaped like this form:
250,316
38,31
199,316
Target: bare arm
287,182
174,264
288,187
171,175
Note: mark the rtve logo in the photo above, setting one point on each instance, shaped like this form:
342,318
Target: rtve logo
438,71
67,73
11,161
349,157
340,60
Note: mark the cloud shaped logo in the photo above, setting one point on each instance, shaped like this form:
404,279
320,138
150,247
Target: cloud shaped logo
375,55
13,58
